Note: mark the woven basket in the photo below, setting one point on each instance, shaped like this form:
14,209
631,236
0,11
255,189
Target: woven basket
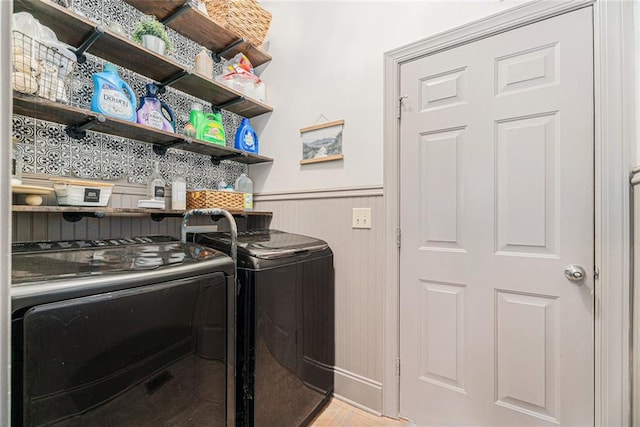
215,199
243,17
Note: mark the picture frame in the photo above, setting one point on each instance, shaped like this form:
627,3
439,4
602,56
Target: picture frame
322,142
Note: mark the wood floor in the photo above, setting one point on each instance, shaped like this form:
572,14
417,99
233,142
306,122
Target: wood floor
340,414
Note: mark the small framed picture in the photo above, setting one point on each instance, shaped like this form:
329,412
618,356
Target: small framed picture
322,143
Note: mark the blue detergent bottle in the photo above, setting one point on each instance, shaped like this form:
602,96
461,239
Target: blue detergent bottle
112,96
246,137
155,113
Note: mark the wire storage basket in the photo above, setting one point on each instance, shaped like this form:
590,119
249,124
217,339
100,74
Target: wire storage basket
41,70
244,17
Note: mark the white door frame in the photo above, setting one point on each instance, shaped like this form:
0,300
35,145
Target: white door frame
6,9
614,85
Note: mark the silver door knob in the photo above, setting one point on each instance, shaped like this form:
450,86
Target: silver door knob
575,273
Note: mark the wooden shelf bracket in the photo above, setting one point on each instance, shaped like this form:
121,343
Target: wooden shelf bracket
161,150
97,33
79,132
218,56
231,102
189,4
77,216
157,217
172,79
217,159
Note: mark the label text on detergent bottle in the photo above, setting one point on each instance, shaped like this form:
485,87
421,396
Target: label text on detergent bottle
114,102
249,141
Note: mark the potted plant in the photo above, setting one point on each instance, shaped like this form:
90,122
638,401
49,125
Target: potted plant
152,35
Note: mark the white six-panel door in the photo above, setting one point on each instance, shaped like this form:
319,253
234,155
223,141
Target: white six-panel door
496,174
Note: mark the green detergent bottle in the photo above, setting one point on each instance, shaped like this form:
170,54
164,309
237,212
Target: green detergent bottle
210,129
195,119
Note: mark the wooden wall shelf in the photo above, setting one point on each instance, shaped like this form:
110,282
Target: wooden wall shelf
40,108
185,18
74,29
75,213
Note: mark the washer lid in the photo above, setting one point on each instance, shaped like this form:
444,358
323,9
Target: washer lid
268,244
48,264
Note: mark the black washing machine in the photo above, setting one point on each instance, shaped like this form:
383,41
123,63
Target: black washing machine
122,332
285,344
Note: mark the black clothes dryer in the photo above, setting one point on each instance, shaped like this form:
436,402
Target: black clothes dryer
122,332
285,326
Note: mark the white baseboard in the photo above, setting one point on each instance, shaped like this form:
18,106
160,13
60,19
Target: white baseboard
363,393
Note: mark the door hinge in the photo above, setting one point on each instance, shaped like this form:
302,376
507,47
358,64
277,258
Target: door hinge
397,367
596,273
400,105
398,237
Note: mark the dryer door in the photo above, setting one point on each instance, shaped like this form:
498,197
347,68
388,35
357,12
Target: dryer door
140,356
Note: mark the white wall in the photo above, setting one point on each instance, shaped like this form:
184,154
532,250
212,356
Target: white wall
328,59
5,208
635,45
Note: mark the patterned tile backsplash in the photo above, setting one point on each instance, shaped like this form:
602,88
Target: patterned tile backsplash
47,149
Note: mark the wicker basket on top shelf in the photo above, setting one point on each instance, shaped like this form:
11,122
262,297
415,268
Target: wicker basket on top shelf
243,17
